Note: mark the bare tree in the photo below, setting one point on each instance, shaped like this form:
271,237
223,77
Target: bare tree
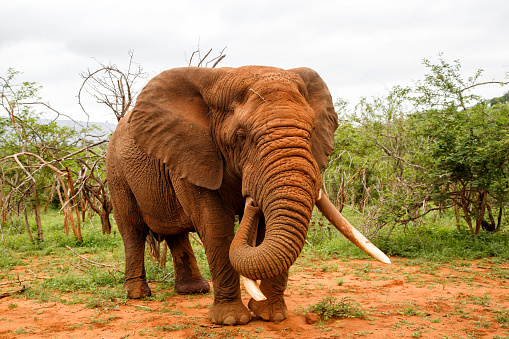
113,87
202,61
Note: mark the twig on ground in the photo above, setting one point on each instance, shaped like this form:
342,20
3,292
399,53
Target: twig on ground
8,294
93,262
164,278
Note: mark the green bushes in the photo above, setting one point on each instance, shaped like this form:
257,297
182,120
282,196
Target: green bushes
432,146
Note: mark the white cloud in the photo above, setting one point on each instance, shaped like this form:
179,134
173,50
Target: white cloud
359,47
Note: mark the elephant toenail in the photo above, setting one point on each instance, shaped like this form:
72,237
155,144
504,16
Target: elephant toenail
279,317
244,319
229,320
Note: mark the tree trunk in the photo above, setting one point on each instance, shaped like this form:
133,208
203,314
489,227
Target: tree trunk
456,215
37,211
105,221
50,198
28,225
466,212
3,218
499,219
75,203
481,210
68,219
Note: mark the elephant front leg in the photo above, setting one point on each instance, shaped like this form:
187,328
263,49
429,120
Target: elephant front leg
228,308
188,279
274,308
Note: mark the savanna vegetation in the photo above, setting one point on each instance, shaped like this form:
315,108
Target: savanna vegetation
422,171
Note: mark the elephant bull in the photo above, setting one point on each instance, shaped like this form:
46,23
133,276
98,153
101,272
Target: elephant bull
203,145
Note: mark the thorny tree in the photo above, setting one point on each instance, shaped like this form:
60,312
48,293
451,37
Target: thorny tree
39,156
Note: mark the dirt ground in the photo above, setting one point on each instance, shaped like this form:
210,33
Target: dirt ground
407,299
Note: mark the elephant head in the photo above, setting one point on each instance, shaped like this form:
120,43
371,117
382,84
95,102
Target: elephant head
271,129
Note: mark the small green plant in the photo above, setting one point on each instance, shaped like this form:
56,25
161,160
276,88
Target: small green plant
416,334
402,322
346,307
366,268
13,305
363,333
482,301
502,317
410,311
22,330
199,333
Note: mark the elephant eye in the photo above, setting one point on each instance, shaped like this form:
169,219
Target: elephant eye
241,134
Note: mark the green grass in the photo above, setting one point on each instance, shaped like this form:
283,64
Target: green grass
330,308
50,266
436,240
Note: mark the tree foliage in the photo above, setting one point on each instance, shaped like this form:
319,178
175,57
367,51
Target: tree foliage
40,158
433,146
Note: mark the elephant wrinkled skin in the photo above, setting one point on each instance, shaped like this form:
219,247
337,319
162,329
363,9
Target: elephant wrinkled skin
199,142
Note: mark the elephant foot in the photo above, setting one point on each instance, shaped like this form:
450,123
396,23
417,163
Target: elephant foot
192,286
229,313
270,309
137,289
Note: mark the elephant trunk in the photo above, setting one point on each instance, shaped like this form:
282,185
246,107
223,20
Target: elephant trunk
290,189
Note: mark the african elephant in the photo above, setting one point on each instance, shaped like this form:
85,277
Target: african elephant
203,145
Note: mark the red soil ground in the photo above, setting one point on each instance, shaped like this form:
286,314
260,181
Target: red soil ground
456,300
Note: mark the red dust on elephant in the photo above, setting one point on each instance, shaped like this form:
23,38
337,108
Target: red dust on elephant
204,145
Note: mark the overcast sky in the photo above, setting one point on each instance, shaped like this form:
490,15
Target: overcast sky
360,48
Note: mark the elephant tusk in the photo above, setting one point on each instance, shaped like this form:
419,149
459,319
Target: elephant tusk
332,214
249,201
253,289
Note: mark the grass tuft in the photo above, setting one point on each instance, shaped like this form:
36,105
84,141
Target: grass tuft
330,308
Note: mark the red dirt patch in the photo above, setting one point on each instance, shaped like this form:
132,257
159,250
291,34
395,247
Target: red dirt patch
465,300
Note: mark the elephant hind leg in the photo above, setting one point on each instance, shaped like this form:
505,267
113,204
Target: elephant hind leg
188,279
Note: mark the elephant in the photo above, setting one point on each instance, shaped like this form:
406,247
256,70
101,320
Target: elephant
204,145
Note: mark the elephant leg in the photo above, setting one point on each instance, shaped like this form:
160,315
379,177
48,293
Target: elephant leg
214,222
135,276
188,279
274,308
134,232
228,308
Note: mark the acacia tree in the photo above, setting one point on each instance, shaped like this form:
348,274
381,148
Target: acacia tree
468,154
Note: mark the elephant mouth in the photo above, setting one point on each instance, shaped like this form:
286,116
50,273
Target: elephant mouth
253,213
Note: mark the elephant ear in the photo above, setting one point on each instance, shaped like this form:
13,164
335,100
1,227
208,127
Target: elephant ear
326,119
171,122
